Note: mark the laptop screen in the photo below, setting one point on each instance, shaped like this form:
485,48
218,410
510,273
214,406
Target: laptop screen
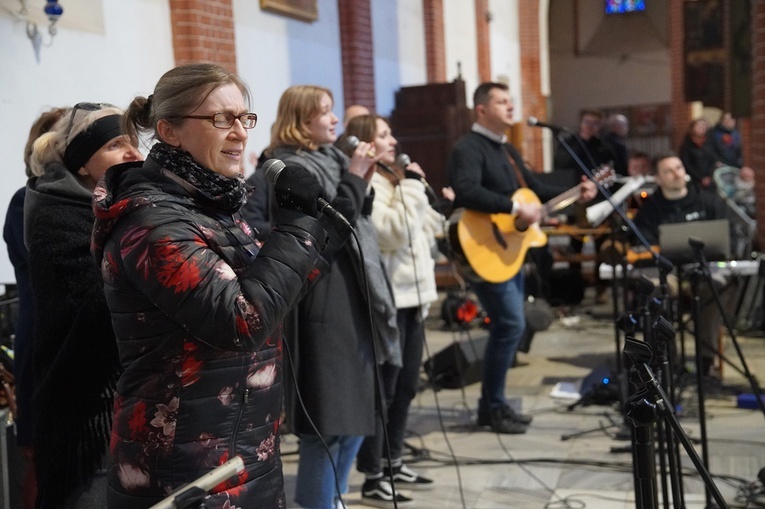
715,234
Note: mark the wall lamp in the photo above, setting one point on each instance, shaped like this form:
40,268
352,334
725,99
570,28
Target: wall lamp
53,12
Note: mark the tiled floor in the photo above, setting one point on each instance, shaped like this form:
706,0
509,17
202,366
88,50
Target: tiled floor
476,469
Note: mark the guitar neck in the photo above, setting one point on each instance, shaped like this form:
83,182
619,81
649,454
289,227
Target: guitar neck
561,201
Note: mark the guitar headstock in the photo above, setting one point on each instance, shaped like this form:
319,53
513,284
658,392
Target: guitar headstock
604,175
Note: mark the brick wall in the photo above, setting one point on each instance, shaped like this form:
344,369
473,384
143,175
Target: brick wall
435,45
203,31
483,46
758,113
357,52
680,111
534,103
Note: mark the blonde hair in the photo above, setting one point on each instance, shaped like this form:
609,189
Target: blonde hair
297,106
50,147
42,125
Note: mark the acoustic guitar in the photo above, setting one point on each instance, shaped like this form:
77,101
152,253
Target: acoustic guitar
492,247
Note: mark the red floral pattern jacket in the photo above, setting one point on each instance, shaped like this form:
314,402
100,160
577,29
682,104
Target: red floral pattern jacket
196,307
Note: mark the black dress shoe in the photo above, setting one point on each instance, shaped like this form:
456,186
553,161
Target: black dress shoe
502,422
484,418
518,417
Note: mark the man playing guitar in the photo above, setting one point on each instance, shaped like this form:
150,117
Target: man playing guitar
484,171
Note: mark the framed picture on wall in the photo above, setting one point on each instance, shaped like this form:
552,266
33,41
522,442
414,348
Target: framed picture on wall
304,10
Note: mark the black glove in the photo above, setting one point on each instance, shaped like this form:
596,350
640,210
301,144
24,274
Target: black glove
337,232
413,175
297,189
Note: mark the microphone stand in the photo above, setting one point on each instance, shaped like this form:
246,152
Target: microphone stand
665,266
645,407
698,250
659,260
193,494
701,273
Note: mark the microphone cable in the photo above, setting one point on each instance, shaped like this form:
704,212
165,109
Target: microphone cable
361,275
439,413
380,398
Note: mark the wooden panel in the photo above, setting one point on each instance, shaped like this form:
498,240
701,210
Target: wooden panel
427,121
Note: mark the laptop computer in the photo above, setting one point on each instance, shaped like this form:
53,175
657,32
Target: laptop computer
715,234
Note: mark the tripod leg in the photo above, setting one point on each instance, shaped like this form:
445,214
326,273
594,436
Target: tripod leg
711,487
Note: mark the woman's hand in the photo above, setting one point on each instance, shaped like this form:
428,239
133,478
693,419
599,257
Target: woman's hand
363,160
415,168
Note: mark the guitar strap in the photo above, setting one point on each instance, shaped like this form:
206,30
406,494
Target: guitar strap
514,164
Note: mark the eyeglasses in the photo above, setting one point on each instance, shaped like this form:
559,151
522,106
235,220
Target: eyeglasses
83,107
226,120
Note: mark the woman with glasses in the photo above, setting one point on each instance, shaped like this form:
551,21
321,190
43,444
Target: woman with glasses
196,306
75,355
332,406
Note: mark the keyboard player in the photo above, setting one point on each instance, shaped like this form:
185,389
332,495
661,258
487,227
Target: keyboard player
676,201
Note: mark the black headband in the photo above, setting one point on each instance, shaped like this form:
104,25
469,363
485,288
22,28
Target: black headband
89,141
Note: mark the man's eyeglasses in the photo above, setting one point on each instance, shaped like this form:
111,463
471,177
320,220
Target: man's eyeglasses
226,120
83,107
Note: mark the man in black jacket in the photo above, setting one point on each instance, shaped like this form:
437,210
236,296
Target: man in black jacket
484,171
677,201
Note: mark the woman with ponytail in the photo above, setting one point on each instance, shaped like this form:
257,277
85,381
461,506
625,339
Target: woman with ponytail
196,304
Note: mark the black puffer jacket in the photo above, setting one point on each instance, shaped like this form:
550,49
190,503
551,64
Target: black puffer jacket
196,310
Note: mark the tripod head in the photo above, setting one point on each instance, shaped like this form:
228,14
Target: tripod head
664,329
642,284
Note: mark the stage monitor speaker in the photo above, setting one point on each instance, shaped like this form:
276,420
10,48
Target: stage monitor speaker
457,365
599,387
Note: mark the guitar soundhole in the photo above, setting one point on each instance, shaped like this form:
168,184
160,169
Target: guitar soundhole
521,225
498,235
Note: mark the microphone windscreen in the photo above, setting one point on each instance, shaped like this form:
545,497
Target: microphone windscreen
271,169
350,144
403,160
532,121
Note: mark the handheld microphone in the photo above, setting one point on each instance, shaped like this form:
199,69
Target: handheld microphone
351,142
271,171
402,161
535,122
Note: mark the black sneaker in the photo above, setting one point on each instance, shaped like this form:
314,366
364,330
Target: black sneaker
408,479
378,493
484,418
502,422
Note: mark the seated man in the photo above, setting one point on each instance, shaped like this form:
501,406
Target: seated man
677,201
